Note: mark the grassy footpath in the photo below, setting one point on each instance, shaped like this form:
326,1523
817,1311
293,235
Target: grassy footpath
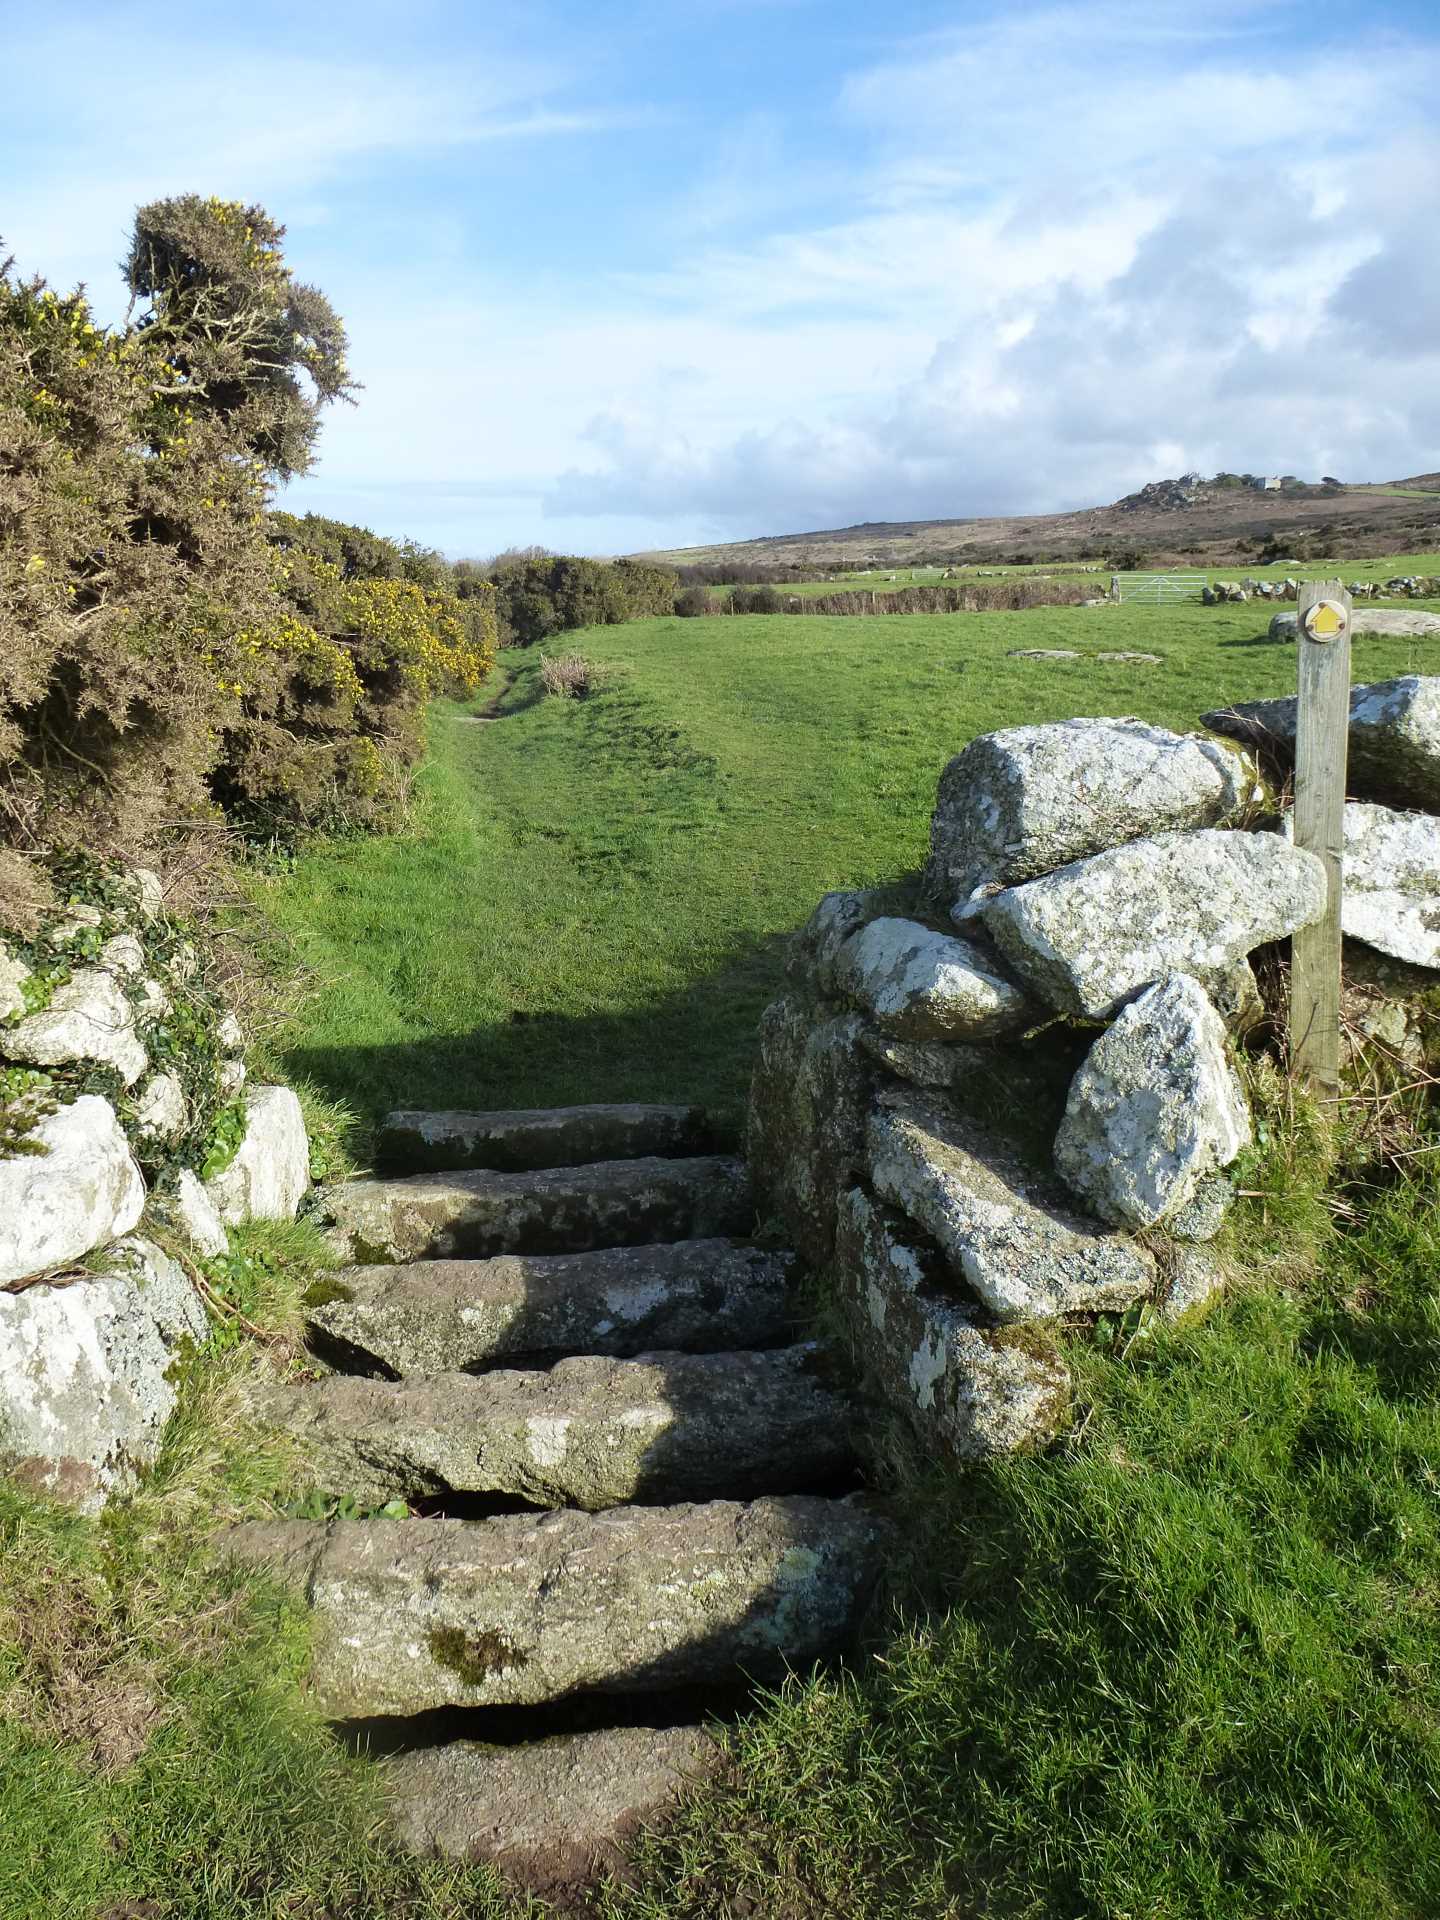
592,903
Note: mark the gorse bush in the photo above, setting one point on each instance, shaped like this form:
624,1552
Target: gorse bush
160,651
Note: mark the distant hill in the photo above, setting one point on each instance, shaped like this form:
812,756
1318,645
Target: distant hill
1168,522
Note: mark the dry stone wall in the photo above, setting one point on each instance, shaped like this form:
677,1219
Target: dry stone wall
124,1121
1007,1098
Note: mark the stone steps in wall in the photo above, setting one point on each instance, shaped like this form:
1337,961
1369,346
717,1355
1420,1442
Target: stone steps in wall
610,1203
590,1433
415,1614
440,1316
414,1141
591,1335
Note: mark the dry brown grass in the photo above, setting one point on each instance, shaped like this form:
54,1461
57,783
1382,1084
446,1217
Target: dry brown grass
570,675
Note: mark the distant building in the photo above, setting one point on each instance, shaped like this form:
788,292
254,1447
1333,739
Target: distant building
1266,483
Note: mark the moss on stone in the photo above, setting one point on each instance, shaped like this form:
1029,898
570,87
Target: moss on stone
326,1291
474,1657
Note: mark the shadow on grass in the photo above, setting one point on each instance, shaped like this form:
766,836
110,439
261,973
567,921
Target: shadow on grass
692,1046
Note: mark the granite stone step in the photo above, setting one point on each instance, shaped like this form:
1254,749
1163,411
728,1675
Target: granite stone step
412,1141
442,1316
414,1614
610,1203
551,1815
590,1433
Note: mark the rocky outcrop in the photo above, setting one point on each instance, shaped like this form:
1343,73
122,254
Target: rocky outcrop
189,1209
87,1373
1021,802
1155,1110
91,1019
72,1185
413,1614
815,948
1089,936
1394,753
1001,1226
270,1173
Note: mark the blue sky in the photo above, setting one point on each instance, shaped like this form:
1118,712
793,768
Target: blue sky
632,275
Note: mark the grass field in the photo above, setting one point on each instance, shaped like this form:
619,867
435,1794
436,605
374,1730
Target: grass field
592,902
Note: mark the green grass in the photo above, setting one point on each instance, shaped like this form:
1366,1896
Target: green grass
593,900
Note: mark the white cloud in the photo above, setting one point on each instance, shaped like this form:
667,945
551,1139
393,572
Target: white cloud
1132,247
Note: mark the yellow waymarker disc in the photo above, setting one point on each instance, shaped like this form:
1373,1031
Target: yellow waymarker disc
1325,619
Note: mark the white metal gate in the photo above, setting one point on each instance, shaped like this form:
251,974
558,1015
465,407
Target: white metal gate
1156,589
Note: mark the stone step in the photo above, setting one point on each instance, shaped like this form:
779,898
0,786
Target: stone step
412,1141
415,1614
551,1815
610,1203
590,1433
442,1316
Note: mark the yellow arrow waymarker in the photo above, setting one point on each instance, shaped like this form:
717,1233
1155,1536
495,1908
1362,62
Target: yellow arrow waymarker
1324,620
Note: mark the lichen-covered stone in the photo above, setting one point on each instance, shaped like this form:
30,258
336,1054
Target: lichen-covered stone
927,1063
437,1316
591,1432
270,1174
968,1386
550,1814
1390,883
86,1374
1004,1228
1025,800
1205,1212
916,984
161,1111
75,1188
1387,1007
1155,1109
549,1210
545,1137
189,1208
1394,750
808,1101
88,1020
1087,937
1194,1280
810,961
13,975
414,1614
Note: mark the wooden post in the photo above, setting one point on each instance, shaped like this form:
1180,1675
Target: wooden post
1322,737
